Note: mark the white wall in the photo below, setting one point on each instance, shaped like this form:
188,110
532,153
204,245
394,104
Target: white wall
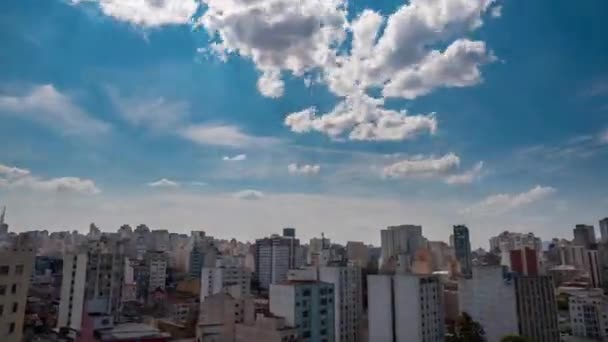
489,300
282,302
77,291
407,308
380,318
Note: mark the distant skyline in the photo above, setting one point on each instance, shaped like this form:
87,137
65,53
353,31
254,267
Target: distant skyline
338,116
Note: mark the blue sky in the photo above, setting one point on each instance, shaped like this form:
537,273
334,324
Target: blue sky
243,116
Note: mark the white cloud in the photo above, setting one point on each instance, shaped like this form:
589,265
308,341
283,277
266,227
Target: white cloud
401,62
157,112
496,11
305,169
296,36
466,177
148,12
270,84
249,195
223,135
238,157
363,118
16,178
421,166
504,203
457,66
164,183
47,106
603,138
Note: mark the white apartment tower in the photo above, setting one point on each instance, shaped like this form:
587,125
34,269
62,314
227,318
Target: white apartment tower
347,300
227,273
93,282
404,308
156,263
73,285
489,298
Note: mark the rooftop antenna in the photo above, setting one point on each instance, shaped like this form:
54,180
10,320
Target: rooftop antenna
2,216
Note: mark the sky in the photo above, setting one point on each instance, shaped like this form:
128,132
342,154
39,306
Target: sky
240,117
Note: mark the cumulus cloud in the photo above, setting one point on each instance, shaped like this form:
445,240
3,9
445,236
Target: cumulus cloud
238,157
223,135
421,166
504,203
363,118
276,35
249,194
45,105
466,177
164,183
150,13
305,169
17,178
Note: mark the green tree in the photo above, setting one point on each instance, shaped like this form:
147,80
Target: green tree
514,338
467,330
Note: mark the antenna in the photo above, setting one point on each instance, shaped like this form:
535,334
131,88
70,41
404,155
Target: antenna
2,216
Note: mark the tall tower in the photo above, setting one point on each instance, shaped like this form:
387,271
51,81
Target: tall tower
462,249
3,226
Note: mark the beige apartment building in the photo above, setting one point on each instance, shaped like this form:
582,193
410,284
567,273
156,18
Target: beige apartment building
15,271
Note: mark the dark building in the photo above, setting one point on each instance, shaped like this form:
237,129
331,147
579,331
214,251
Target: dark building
584,235
462,249
274,256
289,232
536,308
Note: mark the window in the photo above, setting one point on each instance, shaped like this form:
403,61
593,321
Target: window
11,328
14,289
4,270
19,269
304,313
15,307
2,290
306,293
1,309
306,334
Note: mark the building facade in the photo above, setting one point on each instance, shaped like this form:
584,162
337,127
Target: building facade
306,305
274,256
588,318
399,240
15,272
584,235
156,263
489,298
71,305
405,308
347,300
462,249
265,329
225,274
536,308
604,229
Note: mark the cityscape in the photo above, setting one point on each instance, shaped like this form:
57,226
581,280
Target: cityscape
303,171
147,284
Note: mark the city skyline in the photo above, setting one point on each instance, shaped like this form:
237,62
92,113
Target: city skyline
169,114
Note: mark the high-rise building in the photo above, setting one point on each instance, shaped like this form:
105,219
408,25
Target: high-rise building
103,281
274,256
489,298
15,272
226,273
595,269
462,249
400,240
348,299
505,303
3,224
588,315
584,235
507,241
203,254
156,264
524,261
73,286
289,232
357,252
306,305
536,308
604,229
405,308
